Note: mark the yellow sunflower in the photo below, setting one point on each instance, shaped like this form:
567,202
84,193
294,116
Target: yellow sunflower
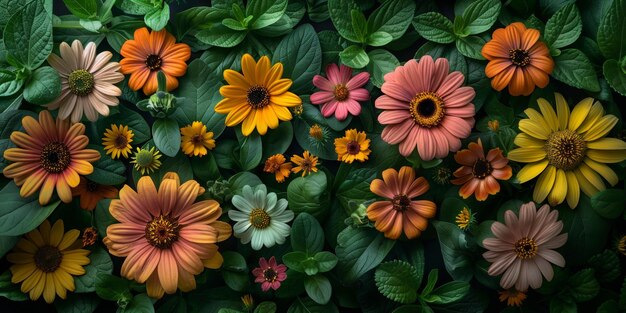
117,141
306,163
45,260
258,98
567,150
195,140
146,161
353,146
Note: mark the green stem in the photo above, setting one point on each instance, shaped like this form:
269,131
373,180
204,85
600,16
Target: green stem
67,24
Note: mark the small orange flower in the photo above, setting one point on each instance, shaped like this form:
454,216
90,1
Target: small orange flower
400,213
276,165
91,193
90,235
151,52
512,297
478,173
517,59
307,163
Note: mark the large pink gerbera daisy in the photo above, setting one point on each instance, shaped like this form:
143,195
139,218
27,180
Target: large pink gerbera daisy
524,248
425,107
341,92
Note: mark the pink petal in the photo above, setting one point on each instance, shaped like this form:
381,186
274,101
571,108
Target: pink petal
456,126
425,144
323,83
322,97
397,91
511,274
442,68
426,69
359,94
464,111
410,142
358,80
393,116
460,97
332,71
385,102
344,74
395,133
451,83
329,108
353,107
552,257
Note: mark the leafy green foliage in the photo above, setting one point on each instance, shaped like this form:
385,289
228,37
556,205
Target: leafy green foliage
611,37
480,15
398,281
359,251
574,68
606,265
434,27
100,262
609,203
564,27
307,235
20,215
301,56
308,194
454,248
28,36
43,86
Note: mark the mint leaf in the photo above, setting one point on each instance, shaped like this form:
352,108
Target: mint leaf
9,84
340,15
265,12
398,281
157,19
308,195
221,36
574,68
448,292
392,17
480,15
82,8
434,27
354,56
378,39
307,235
381,63
28,35
43,86
470,46
454,249
612,31
360,250
583,285
564,27
606,265
615,76
359,24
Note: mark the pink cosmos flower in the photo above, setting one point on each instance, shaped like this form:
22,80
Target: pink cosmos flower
425,107
524,248
269,274
341,92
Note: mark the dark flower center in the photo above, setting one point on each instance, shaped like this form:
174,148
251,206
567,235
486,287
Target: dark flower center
270,275
153,62
353,147
162,231
525,248
121,141
55,157
565,149
258,97
80,82
89,236
48,259
341,92
260,219
519,57
401,202
482,168
427,109
91,186
197,139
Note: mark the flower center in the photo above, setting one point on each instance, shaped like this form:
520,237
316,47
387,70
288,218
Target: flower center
89,236
197,139
80,82
260,219
519,57
153,62
48,258
271,166
121,141
341,92
144,158
91,186
482,168
316,132
442,175
270,275
258,97
162,231
525,248
565,149
401,202
353,147
55,157
427,109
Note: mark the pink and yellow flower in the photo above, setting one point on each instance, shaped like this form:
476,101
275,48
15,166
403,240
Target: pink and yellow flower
340,92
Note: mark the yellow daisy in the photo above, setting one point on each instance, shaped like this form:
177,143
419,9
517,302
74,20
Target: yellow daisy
45,260
464,219
353,146
258,98
567,150
195,140
117,141
146,161
306,163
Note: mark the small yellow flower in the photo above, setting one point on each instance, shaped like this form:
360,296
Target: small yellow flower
512,297
117,141
353,146
306,163
494,125
146,161
195,140
316,132
276,165
248,302
621,245
297,110
464,219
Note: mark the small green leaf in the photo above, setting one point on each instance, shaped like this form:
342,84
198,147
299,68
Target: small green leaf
10,290
77,303
480,15
359,25
93,26
381,63
221,36
615,76
100,262
265,12
609,203
233,24
448,292
43,86
9,84
392,17
249,150
308,194
307,234
574,68
20,215
564,27
360,250
294,260
326,261
454,249
82,8
434,27
235,271
558,305
318,288
265,307
397,280
471,46
583,285
166,135
606,265
433,275
113,288
141,303
378,39
157,19
354,56
340,15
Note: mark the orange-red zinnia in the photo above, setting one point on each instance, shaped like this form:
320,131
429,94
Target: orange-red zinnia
91,193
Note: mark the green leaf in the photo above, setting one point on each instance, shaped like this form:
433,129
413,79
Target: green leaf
113,288
278,140
609,306
308,194
397,280
471,46
166,135
378,39
480,15
234,271
454,249
359,24
434,27
294,260
413,308
326,261
609,203
560,306
433,275
622,295
103,217
355,188
93,26
448,292
306,305
43,86
340,15
615,76
196,18
121,30
28,35
392,17
606,265
318,288
250,150
354,56
76,303
10,290
332,44
288,21
265,12
381,63
307,234
265,307
301,56
360,250
9,84
100,262
178,164
583,285
233,24
82,8
20,215
564,27
157,19
574,68
221,36
7,243
141,303
612,31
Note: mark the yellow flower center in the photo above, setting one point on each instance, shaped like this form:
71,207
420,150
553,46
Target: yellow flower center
270,275
494,125
316,132
526,248
272,165
519,57
401,202
427,109
565,149
463,219
341,92
48,259
162,231
153,62
55,157
81,82
353,147
482,168
297,110
260,219
258,97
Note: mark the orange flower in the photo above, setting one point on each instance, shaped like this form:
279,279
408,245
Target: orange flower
400,213
150,52
518,59
276,165
478,173
91,193
50,154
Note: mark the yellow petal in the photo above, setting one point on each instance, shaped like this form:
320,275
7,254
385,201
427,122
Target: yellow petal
249,123
579,114
537,118
594,115
237,115
526,141
526,155
548,114
585,185
248,67
544,184
607,156
601,128
559,191
530,127
604,171
562,111
531,171
573,189
592,176
287,99
236,79
56,234
215,262
607,144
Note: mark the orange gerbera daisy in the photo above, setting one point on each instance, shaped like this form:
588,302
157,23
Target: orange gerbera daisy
166,237
91,193
517,58
400,213
49,154
151,52
478,173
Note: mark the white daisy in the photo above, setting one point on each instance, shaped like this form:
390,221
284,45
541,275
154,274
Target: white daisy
261,218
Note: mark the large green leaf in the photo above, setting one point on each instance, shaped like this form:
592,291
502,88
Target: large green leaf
278,140
250,150
612,31
480,15
126,116
307,235
166,135
308,194
318,288
615,76
235,271
107,171
398,281
434,27
606,265
359,250
564,27
20,215
158,18
82,8
583,285
381,63
221,36
454,249
448,292
340,15
574,68
301,56
28,35
265,12
100,262
609,203
75,303
392,17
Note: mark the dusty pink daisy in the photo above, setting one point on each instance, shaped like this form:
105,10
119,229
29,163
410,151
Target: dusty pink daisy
523,248
269,274
341,92
425,107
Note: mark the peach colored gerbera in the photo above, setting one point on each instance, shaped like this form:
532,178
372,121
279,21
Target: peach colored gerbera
478,173
341,92
400,213
518,59
50,154
425,107
150,52
87,81
524,248
165,237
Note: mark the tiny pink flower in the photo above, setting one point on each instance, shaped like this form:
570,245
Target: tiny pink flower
269,274
340,93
